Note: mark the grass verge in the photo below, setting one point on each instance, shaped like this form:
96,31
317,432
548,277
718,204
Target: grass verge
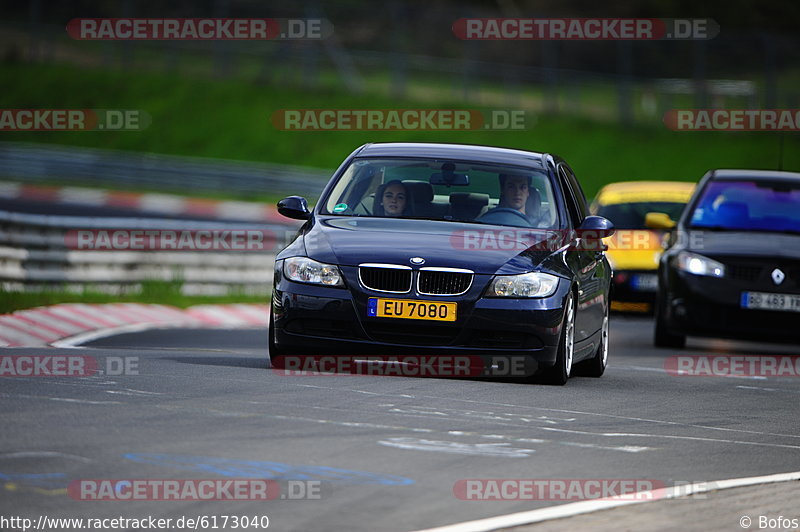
165,293
231,119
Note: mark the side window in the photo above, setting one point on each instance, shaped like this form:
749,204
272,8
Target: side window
580,197
569,197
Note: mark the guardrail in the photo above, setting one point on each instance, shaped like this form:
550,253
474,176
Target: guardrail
135,170
37,252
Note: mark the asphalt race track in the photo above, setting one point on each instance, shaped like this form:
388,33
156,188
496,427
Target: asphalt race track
384,453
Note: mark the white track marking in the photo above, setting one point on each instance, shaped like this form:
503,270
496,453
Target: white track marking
90,336
584,507
348,423
474,449
61,399
662,370
43,454
762,389
406,396
622,448
578,412
669,437
135,393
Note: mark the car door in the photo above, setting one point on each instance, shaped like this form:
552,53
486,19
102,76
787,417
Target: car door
589,265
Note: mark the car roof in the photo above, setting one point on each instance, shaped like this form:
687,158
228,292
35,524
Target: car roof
464,152
645,191
747,175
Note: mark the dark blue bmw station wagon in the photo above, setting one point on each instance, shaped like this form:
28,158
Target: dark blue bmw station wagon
446,249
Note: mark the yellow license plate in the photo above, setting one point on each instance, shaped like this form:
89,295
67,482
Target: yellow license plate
411,309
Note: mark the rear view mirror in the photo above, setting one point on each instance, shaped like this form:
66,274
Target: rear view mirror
449,179
658,220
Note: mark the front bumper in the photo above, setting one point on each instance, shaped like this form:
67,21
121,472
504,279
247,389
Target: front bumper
314,321
633,290
708,306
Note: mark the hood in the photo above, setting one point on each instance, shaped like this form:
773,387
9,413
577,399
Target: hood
350,241
742,243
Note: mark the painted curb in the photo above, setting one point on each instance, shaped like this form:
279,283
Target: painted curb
70,324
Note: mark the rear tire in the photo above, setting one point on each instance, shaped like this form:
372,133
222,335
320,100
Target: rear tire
662,337
560,372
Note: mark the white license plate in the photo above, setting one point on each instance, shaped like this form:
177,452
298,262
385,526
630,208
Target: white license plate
644,282
768,301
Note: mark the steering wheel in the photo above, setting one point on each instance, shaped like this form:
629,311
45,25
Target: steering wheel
500,214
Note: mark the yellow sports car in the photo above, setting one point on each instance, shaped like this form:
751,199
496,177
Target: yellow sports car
634,250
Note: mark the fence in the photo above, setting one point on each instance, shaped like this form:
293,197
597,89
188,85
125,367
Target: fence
147,171
408,50
35,254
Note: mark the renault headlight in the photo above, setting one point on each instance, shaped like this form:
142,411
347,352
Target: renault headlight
698,264
305,270
533,284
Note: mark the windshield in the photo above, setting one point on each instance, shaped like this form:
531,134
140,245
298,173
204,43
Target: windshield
444,190
749,206
631,215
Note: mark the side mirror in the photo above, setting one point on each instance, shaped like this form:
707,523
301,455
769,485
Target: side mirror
592,232
294,207
596,227
658,220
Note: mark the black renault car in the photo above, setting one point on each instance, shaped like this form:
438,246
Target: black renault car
443,248
733,267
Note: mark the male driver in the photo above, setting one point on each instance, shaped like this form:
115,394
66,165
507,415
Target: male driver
514,192
517,192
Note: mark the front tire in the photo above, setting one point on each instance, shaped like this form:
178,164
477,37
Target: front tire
596,366
662,337
560,372
276,358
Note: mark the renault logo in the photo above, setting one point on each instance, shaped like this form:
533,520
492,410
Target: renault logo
417,260
778,276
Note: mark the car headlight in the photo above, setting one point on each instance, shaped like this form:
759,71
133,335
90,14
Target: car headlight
533,284
698,264
305,270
